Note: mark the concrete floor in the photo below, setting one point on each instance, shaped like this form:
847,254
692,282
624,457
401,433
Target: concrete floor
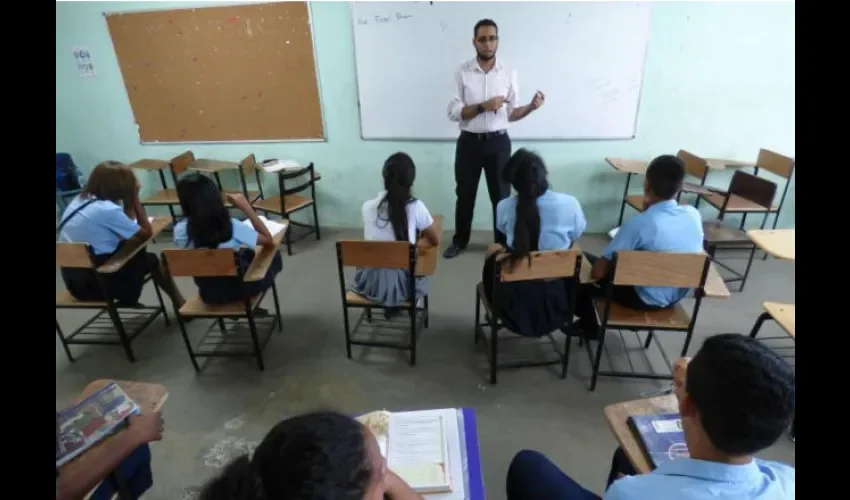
214,416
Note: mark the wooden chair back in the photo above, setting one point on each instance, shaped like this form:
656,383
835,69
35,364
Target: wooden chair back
73,255
780,165
309,171
375,254
694,165
248,165
181,162
660,269
550,264
753,188
198,263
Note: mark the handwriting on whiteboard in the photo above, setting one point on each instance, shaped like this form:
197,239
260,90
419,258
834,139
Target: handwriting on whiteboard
387,19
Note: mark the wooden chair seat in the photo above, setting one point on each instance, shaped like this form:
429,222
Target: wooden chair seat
290,203
785,316
620,316
354,299
65,299
736,203
717,233
194,306
164,197
636,202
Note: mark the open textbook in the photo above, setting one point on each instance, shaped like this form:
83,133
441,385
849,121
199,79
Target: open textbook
274,227
423,448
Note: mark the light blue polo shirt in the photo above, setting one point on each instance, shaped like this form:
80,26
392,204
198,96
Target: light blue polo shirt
243,235
690,479
562,221
664,227
101,224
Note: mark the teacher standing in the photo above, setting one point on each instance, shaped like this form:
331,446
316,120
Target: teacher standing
486,99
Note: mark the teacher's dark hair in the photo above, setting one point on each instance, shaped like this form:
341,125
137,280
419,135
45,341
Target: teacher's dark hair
313,456
482,23
527,174
207,222
399,173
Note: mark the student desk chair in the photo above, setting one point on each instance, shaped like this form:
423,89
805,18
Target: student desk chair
378,255
548,265
126,322
232,318
291,200
770,161
641,268
781,244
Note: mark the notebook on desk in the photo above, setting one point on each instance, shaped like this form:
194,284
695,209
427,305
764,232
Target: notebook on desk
661,435
274,227
423,448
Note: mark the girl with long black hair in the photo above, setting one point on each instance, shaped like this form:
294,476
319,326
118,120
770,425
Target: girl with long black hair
395,215
207,224
536,218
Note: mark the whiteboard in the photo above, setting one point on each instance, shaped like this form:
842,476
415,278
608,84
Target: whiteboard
586,57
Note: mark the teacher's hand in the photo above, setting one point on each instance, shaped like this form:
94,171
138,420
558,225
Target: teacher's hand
538,100
494,104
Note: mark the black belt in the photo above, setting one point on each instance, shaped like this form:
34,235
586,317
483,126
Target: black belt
484,135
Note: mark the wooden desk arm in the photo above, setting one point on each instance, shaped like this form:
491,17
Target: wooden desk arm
427,257
133,246
263,256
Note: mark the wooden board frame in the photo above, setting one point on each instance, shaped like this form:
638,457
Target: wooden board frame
316,131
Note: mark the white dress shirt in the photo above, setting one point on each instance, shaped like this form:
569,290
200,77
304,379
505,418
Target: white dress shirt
376,220
474,86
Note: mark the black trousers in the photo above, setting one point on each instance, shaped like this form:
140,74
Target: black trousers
531,476
622,294
473,153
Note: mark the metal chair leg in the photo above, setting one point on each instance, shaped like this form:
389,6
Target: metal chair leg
64,342
757,326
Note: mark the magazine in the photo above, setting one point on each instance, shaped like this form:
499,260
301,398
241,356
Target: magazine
84,424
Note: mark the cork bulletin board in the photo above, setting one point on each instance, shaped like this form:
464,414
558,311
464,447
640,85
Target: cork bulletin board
218,74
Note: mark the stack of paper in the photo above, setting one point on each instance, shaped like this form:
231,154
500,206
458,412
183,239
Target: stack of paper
272,166
274,227
423,448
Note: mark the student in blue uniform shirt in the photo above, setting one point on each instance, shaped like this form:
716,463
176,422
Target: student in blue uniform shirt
105,215
736,398
536,218
207,224
663,226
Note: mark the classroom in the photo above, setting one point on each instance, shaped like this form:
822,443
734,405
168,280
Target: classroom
296,114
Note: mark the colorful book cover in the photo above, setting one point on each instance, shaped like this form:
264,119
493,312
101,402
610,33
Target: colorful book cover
90,420
662,436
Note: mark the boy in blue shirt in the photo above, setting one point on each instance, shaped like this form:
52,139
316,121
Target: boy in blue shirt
663,226
736,398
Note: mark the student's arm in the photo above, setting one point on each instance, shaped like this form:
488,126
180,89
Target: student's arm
425,224
627,238
264,237
397,489
126,228
504,211
143,429
579,221
141,214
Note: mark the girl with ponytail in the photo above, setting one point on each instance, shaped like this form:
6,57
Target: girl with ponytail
316,456
534,219
395,215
